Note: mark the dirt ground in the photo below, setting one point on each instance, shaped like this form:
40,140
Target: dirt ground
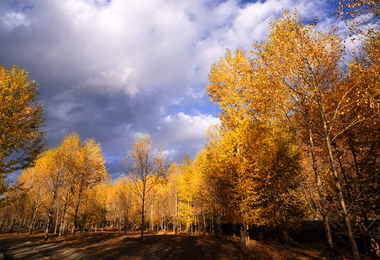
113,245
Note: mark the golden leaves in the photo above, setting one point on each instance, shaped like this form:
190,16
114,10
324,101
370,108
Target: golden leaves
21,120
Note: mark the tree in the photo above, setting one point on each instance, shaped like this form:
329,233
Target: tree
145,170
357,147
121,202
60,181
211,195
21,120
352,8
240,87
255,142
307,64
85,167
186,193
32,180
51,172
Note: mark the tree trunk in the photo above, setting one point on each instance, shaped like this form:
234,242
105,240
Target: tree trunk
77,207
12,223
36,205
244,237
346,215
47,225
142,216
63,220
283,230
50,215
322,204
283,235
151,220
204,224
126,224
56,222
176,215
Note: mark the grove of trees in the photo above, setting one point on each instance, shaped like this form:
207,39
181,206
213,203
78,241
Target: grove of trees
298,140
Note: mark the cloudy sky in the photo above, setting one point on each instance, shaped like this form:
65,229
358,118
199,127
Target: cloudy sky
116,69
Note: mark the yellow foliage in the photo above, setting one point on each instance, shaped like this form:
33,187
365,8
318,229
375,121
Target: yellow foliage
21,129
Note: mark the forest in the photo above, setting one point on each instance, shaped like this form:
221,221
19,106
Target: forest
299,140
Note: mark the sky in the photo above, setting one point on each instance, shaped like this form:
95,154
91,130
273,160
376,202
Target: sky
114,70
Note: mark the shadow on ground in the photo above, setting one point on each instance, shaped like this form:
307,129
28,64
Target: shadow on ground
112,245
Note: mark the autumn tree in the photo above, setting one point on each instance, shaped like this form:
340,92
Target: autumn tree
172,189
51,173
186,193
29,181
353,8
97,206
59,181
301,69
121,202
307,65
84,163
357,147
211,195
21,120
253,118
145,169
165,213
232,89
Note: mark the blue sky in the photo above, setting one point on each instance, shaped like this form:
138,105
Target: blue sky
114,69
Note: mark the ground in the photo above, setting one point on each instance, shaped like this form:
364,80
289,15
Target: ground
113,245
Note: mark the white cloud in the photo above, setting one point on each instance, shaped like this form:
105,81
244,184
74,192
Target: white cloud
170,153
182,132
12,20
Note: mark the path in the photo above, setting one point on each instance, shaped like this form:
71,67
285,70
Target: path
37,251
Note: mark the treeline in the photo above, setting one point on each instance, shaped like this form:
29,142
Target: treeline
68,190
299,139
299,131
